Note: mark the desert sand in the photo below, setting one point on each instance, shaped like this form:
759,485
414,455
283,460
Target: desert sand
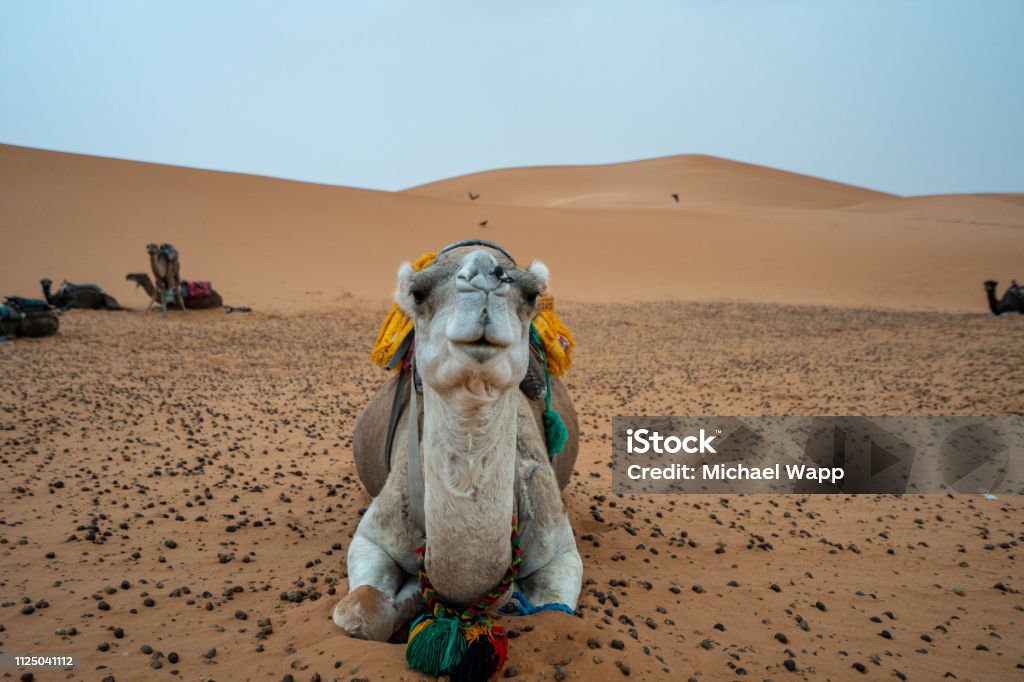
186,486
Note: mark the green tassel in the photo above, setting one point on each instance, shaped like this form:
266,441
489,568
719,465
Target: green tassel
436,648
555,432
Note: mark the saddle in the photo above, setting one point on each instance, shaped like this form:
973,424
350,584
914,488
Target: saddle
196,288
69,286
168,252
27,306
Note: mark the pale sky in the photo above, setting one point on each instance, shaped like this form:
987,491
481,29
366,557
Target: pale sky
902,96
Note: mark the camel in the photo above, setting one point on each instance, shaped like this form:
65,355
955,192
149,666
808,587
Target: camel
27,317
213,300
480,458
166,266
86,296
1012,301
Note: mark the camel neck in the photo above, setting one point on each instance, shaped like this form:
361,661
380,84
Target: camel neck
469,459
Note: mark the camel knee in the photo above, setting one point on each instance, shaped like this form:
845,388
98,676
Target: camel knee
366,613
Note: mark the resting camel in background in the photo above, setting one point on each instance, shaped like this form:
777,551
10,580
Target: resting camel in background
1011,302
86,296
211,300
166,273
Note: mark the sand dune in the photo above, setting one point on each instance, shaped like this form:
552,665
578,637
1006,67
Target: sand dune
608,232
700,181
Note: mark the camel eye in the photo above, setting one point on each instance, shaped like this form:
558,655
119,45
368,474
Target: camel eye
419,295
531,297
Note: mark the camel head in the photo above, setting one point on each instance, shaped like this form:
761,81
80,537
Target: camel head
151,249
990,285
472,307
46,282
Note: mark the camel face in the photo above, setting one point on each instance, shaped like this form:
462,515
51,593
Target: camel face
472,309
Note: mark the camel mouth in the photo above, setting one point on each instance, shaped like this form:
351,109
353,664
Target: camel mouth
480,349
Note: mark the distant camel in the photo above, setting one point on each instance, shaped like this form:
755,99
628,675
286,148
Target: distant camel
473,197
166,273
27,317
1012,301
211,300
85,296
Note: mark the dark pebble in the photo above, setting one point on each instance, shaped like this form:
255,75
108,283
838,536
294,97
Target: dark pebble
790,665
859,667
618,644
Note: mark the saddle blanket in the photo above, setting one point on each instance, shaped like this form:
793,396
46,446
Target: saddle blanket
197,288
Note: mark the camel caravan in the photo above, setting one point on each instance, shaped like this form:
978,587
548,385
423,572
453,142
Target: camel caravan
466,449
33,317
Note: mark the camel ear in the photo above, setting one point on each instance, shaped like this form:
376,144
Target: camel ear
540,271
403,297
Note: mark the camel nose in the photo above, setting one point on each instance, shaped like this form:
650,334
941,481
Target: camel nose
480,272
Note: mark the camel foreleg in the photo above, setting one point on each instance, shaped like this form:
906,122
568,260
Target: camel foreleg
381,598
556,583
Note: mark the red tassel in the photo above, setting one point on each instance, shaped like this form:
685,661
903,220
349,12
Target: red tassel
500,644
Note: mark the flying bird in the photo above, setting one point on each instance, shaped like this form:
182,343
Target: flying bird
675,195
473,197
483,223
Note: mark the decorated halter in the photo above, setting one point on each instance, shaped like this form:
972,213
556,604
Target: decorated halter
556,338
547,333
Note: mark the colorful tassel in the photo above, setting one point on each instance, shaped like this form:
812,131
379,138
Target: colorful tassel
556,434
466,646
436,644
555,431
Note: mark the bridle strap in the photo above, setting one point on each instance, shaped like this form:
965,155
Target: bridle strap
415,464
477,242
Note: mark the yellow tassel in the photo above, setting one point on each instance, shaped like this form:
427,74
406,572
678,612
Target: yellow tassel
396,325
481,628
558,341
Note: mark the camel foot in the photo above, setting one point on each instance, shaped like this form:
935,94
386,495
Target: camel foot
368,613
363,614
